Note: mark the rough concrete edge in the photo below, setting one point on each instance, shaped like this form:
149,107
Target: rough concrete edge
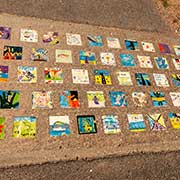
50,156
168,29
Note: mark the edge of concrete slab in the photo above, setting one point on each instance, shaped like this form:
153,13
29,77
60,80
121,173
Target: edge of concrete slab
142,15
71,154
167,33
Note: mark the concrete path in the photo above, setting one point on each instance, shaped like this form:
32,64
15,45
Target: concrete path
43,148
125,14
152,166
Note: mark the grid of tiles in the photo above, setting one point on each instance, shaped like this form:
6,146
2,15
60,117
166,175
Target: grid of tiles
146,73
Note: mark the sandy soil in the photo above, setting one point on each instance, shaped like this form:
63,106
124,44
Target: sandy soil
169,11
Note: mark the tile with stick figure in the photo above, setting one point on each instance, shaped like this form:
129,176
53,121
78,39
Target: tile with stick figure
102,77
96,99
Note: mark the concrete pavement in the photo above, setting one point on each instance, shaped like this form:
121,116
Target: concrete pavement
150,166
126,14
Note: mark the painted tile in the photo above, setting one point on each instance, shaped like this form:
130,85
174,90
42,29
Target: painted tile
158,99
63,56
59,126
161,63
149,47
39,54
142,79
42,99
53,75
80,76
111,124
118,98
5,33
94,40
145,61
107,58
164,48
4,73
24,127
132,45
73,39
12,53
69,99
136,122
9,99
124,78
127,60
156,122
27,74
175,97
95,99
51,38
161,80
28,35
87,57
113,43
139,99
86,124
174,119
102,77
